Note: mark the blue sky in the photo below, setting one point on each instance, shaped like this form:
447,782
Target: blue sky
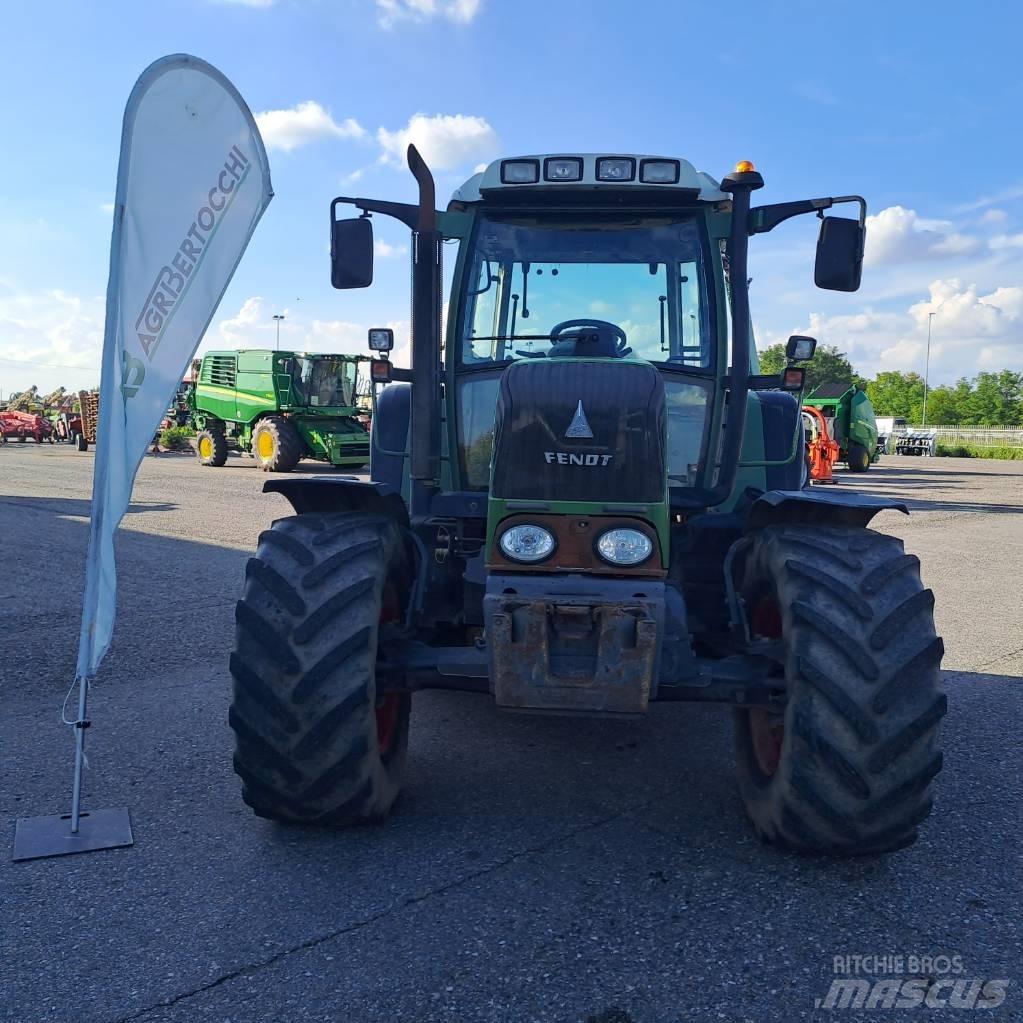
916,106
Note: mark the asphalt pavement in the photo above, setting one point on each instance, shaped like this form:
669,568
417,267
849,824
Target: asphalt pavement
547,869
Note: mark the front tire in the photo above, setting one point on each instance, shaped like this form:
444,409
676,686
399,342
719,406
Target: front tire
846,767
859,458
313,742
276,444
211,448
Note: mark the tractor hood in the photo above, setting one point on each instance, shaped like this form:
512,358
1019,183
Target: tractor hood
576,429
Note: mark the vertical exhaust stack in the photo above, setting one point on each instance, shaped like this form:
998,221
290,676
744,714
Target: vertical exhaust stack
426,309
740,184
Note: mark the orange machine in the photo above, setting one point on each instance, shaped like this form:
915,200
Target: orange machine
821,450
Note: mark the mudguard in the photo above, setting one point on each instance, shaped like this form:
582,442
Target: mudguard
339,493
816,508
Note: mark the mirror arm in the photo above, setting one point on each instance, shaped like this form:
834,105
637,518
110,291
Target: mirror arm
408,214
766,218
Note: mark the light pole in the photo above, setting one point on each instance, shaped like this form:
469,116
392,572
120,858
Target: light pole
278,317
927,365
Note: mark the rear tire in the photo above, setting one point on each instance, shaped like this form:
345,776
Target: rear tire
846,767
81,443
859,458
276,444
211,447
313,744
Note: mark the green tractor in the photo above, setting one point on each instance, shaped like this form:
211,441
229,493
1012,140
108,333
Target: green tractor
280,407
584,499
850,419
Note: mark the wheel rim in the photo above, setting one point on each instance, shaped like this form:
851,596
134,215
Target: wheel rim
205,447
767,728
265,444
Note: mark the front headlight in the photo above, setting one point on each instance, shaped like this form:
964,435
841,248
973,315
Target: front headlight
624,546
527,542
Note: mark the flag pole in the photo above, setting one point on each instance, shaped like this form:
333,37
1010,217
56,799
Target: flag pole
80,726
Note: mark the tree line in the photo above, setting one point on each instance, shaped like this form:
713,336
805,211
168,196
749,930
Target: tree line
988,399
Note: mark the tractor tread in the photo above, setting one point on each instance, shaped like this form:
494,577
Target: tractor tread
303,710
861,744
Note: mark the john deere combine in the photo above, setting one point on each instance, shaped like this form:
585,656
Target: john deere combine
587,500
280,407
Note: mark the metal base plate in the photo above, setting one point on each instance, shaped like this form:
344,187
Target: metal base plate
36,837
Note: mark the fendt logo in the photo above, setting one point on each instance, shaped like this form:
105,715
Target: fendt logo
570,458
579,428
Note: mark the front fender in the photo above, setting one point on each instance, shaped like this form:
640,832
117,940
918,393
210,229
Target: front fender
816,508
339,493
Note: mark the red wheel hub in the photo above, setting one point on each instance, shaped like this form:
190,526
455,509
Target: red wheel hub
388,712
767,728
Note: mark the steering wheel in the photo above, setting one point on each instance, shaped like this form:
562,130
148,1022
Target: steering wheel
621,342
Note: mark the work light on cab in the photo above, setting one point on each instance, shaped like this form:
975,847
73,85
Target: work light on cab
563,168
616,168
527,542
624,546
381,339
520,172
659,172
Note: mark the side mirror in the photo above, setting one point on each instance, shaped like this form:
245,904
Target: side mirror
351,253
800,348
381,339
839,264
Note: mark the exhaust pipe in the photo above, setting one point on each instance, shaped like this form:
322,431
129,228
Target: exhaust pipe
426,311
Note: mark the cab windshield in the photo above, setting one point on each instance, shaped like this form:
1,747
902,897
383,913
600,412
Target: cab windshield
322,381
647,277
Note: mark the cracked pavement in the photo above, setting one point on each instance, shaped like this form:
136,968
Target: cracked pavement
535,868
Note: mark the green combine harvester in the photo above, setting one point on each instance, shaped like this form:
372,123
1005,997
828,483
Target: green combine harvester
850,419
280,407
587,516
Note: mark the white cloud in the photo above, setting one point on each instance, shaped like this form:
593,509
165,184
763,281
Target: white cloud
49,338
445,141
458,11
973,329
235,329
993,216
253,327
1007,241
304,123
1005,195
355,175
106,207
898,235
385,250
